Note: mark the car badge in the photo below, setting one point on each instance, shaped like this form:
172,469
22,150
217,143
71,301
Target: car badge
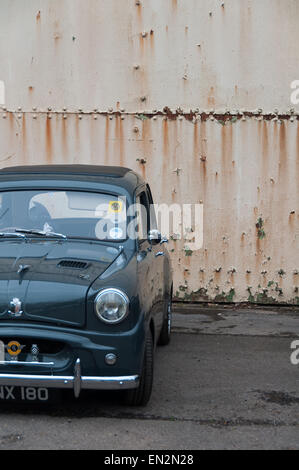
14,348
15,307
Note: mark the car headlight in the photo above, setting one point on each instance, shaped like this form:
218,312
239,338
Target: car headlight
111,305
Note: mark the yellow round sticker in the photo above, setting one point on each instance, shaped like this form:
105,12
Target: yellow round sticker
14,348
115,206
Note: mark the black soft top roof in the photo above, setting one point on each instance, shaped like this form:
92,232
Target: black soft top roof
116,175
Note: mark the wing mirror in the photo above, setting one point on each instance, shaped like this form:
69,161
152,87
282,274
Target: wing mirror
154,236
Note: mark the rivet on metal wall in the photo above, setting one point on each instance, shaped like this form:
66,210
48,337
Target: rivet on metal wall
64,116
4,116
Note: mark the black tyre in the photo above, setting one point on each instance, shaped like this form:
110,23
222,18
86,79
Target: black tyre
166,328
141,395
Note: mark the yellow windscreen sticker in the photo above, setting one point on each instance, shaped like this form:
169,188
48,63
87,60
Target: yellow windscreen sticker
115,206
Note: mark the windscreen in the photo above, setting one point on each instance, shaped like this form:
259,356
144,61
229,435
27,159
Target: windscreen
77,214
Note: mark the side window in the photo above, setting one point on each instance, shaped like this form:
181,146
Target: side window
142,216
152,213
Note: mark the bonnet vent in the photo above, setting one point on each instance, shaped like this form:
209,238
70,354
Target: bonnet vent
72,264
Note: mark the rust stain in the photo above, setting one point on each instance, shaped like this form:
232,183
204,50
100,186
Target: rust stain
152,40
24,139
119,137
141,44
211,97
203,153
265,142
226,150
139,13
64,138
165,137
282,149
48,141
297,151
107,137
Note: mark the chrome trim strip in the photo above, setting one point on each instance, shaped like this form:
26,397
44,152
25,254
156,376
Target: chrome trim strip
25,363
76,382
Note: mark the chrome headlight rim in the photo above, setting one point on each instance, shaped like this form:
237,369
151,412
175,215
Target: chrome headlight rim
114,290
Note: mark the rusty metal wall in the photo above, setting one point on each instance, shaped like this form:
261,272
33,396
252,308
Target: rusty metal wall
195,95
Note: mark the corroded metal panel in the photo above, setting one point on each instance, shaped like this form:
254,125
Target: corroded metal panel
147,54
195,96
248,186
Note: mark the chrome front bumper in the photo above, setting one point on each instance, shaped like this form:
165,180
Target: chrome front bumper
77,382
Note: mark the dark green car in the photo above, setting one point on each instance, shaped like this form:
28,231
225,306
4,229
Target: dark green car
85,282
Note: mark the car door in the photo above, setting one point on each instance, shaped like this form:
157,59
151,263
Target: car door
148,264
161,257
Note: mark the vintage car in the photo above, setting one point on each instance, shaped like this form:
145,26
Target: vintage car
86,282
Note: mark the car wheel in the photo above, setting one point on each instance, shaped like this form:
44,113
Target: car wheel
166,328
141,395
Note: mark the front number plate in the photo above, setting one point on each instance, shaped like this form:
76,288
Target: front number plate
8,393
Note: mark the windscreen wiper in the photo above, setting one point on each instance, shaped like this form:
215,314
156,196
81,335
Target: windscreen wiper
11,234
40,233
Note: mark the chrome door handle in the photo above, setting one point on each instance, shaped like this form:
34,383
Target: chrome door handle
160,253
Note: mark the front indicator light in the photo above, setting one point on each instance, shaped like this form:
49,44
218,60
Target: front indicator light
111,305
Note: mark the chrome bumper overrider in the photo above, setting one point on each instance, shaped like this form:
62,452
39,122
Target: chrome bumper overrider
75,382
